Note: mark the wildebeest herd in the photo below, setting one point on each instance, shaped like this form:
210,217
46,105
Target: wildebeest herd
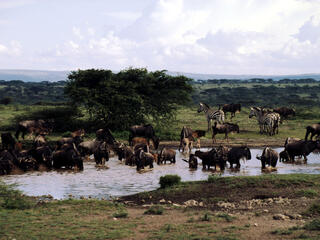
142,150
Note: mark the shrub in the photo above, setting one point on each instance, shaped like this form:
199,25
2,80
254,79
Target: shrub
155,210
120,214
169,180
13,199
314,225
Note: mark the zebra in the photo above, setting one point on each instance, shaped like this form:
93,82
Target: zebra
211,114
268,121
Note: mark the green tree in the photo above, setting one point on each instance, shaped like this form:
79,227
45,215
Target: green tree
132,96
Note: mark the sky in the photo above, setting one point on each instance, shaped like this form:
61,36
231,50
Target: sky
193,36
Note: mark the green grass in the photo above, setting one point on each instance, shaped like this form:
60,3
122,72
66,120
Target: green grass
155,210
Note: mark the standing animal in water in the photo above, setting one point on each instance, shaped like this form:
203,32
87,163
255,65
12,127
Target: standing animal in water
211,114
32,126
236,153
191,135
268,157
145,131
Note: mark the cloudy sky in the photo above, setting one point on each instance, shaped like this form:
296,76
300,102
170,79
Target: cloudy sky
196,36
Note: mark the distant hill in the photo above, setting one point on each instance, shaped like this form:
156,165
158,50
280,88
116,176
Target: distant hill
54,76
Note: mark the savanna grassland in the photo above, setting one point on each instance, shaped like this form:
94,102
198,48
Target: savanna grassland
271,206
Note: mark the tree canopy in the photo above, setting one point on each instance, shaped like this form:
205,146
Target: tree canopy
132,96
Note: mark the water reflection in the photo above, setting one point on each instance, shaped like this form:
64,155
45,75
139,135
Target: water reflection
121,180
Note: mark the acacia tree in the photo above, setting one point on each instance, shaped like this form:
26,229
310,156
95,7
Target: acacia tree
132,96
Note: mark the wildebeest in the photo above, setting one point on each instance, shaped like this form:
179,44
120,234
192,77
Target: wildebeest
268,157
39,141
6,162
42,155
32,126
236,153
193,161
187,144
167,154
78,133
232,108
223,128
101,153
210,158
68,140
303,148
144,159
146,131
8,142
104,134
284,156
68,158
285,112
187,132
314,129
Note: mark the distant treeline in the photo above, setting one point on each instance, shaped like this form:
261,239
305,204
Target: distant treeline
255,91
257,80
20,92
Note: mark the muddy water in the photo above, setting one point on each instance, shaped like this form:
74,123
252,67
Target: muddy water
121,180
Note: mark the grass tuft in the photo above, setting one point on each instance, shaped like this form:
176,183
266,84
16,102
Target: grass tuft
155,210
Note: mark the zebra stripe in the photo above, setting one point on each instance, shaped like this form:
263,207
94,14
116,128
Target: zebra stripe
211,114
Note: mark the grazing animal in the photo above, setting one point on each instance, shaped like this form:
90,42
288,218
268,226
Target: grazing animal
78,133
291,140
145,131
32,126
211,114
284,156
69,140
104,134
268,121
144,159
209,159
39,141
6,162
268,157
285,112
236,153
67,157
223,128
101,153
314,129
303,148
187,144
42,154
167,155
187,132
193,161
232,108
8,142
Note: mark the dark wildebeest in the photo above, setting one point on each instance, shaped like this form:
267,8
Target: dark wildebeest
268,157
101,153
193,161
236,153
284,156
303,148
167,155
223,128
6,162
39,141
285,112
8,142
144,159
43,155
32,126
98,148
232,108
104,134
314,129
67,157
146,131
78,133
68,140
210,158
187,132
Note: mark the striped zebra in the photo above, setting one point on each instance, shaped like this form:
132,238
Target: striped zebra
211,114
268,121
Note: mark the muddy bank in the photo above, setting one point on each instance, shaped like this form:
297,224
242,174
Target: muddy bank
252,143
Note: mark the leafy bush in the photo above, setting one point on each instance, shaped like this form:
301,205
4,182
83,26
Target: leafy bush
155,210
13,199
314,225
169,180
120,214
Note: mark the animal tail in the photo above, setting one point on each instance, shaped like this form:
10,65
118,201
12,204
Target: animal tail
185,160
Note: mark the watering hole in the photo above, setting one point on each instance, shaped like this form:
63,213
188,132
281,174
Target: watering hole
119,179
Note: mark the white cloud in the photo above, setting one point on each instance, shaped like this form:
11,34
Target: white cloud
77,32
